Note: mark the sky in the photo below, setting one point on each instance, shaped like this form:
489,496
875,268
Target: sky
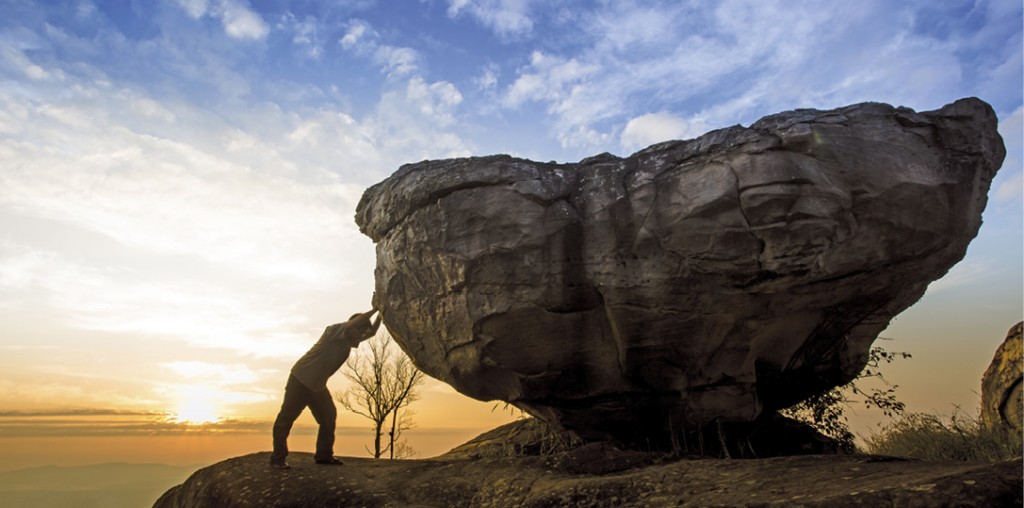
178,180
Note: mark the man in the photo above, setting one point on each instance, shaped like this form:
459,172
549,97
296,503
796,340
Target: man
307,387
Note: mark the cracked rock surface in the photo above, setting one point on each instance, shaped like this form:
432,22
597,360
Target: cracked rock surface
693,282
832,481
1002,385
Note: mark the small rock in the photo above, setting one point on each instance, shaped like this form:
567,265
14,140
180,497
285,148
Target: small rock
1002,383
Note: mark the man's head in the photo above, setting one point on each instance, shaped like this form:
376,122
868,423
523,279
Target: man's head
359,328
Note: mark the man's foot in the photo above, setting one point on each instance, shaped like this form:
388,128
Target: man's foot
333,461
280,465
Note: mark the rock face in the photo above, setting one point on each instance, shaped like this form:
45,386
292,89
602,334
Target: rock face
833,481
1001,385
692,283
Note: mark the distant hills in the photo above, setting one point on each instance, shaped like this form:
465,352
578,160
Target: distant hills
114,485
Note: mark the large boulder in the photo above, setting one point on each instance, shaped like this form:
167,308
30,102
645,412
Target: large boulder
1001,385
691,284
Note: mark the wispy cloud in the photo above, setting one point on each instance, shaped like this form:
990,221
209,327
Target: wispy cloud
109,423
14,59
1010,182
172,307
223,375
236,16
43,394
307,33
507,18
395,61
200,224
963,274
218,228
240,21
735,63
488,77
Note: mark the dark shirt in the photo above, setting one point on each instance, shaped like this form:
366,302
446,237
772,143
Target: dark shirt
323,359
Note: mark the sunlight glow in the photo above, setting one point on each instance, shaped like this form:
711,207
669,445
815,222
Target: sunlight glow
198,408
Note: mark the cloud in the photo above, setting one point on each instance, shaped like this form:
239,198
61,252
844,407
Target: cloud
394,61
20,270
397,61
46,394
1010,180
1012,188
213,374
178,221
113,422
16,60
241,22
236,16
548,78
108,422
434,100
152,109
962,274
159,187
506,18
195,8
627,27
651,128
213,226
412,120
148,305
733,64
357,28
488,78
51,413
306,33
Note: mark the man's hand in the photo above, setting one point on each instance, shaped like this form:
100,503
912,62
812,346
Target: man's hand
376,325
359,328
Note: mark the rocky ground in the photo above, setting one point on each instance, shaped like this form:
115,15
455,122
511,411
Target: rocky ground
590,476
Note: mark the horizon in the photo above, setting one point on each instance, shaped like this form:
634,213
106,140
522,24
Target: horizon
180,179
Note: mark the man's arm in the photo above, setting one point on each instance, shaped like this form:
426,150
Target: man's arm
359,328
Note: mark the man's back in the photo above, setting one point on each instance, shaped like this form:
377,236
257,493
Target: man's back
323,359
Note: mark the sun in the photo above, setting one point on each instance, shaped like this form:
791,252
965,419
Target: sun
197,410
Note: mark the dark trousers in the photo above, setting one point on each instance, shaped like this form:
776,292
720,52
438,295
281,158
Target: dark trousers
296,398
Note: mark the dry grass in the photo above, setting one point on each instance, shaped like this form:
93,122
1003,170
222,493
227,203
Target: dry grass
932,437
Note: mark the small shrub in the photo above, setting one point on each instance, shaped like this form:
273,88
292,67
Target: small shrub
525,436
826,412
931,437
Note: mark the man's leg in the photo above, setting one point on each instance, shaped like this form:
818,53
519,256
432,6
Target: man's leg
322,407
296,398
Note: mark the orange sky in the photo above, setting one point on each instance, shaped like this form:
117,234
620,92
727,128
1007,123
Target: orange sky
943,374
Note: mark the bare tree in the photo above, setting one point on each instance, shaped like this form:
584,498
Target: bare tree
384,383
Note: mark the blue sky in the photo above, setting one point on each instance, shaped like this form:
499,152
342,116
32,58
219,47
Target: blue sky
178,177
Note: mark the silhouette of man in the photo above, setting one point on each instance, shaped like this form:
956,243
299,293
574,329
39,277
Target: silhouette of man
307,387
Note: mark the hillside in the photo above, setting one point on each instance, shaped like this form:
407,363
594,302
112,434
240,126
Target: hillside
114,485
